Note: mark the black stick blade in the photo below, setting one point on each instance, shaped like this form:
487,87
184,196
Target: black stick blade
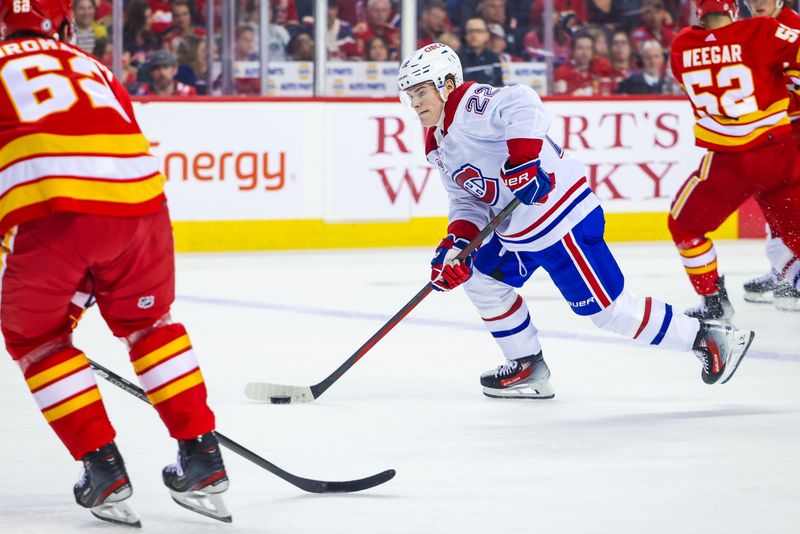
350,486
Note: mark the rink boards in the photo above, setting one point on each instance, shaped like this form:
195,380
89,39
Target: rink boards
344,173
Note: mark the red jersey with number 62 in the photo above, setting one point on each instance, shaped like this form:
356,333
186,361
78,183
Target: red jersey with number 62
734,77
68,138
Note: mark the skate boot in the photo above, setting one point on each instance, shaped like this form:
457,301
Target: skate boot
761,289
787,298
104,487
714,307
525,378
198,478
720,348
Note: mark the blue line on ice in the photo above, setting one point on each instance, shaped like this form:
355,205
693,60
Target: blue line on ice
344,314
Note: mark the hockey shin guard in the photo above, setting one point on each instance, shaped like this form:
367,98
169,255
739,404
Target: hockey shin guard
64,387
170,375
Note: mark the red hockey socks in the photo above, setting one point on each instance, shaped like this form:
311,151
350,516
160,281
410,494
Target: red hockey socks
170,375
64,387
700,262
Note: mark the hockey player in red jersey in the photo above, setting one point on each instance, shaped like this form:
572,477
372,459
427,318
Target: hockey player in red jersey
82,208
733,74
780,286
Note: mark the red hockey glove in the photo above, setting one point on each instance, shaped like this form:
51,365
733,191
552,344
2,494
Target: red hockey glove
446,272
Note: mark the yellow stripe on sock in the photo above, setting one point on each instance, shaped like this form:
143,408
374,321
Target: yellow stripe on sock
162,353
696,251
179,386
702,270
57,371
72,405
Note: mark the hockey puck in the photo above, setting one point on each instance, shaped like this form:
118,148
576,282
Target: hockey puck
280,400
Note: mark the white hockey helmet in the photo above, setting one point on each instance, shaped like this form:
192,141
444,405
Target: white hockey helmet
431,63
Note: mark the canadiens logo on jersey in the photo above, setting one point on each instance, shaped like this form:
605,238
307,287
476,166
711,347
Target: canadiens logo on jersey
470,178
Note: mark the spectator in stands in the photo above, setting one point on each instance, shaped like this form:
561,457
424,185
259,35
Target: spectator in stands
583,75
601,48
656,22
103,12
163,68
377,49
339,39
563,24
479,63
348,10
561,8
432,23
161,18
496,12
651,80
245,48
379,22
498,44
192,55
137,35
87,30
301,47
622,63
603,12
452,40
182,24
277,36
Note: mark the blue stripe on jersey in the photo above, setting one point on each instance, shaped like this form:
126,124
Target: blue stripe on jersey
664,325
555,222
558,149
517,330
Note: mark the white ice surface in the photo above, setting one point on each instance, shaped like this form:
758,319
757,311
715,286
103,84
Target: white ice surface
634,442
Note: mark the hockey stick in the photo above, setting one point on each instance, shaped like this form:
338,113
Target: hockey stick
305,484
282,394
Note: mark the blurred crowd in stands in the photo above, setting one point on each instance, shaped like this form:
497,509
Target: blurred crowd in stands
601,47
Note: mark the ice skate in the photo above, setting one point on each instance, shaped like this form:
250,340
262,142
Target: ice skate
761,289
104,487
714,307
524,378
720,348
786,298
198,478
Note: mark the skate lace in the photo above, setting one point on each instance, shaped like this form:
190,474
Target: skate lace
177,467
705,360
506,369
83,477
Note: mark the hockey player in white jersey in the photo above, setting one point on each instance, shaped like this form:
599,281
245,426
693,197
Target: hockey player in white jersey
490,144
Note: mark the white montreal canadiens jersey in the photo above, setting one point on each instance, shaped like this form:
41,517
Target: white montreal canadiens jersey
471,148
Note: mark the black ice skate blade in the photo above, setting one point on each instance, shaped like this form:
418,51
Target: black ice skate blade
525,397
137,524
224,519
741,357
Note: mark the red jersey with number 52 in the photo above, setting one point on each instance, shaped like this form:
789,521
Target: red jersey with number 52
734,77
788,17
68,138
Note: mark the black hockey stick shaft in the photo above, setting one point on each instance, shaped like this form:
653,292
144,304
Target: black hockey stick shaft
319,389
305,484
